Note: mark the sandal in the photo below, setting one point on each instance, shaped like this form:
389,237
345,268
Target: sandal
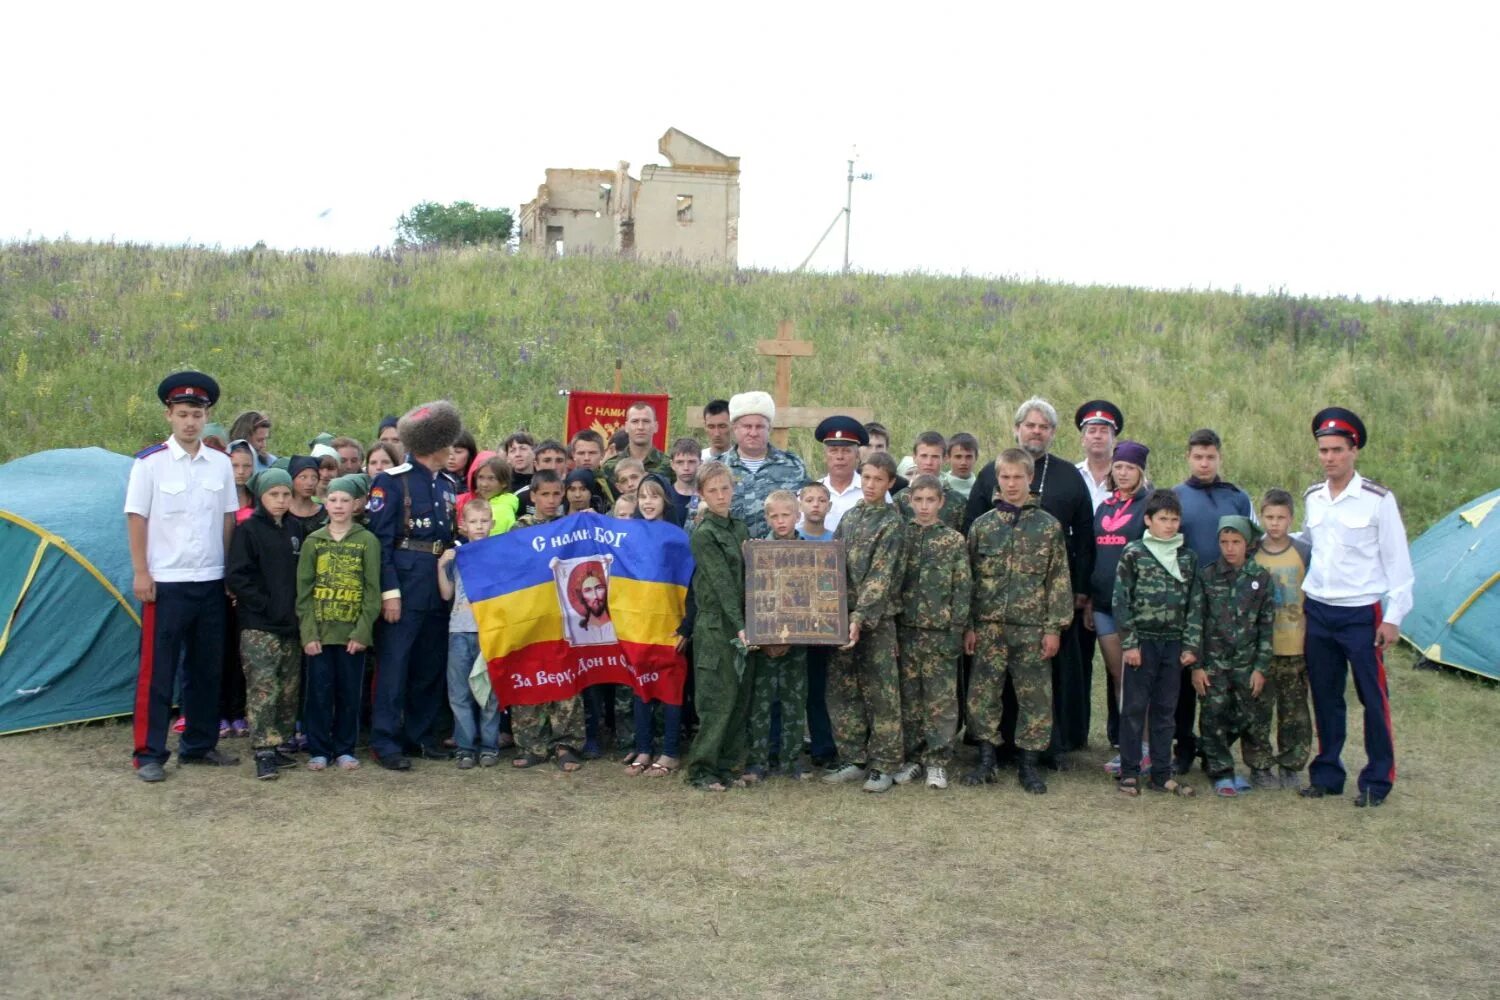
317,764
660,770
1225,788
636,763
710,785
1130,787
527,760
1173,786
751,776
566,760
347,762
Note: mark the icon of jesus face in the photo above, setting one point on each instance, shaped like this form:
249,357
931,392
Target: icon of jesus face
595,594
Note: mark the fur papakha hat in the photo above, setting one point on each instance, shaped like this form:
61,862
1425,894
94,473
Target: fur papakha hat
753,403
429,428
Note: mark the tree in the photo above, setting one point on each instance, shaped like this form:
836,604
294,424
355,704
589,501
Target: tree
460,224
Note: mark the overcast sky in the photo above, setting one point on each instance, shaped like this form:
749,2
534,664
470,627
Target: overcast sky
1324,148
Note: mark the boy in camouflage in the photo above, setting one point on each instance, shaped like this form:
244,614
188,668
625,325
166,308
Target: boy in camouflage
927,453
1158,607
546,499
723,674
780,674
935,594
864,697
1238,616
1286,559
1022,600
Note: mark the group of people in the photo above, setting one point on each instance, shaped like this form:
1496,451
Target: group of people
977,597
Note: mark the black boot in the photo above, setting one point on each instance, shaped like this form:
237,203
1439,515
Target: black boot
984,774
1031,779
266,768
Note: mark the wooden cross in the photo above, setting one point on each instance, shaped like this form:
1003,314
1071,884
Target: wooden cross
784,348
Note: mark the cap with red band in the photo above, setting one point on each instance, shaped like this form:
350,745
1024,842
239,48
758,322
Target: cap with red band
188,387
1339,422
1099,411
841,431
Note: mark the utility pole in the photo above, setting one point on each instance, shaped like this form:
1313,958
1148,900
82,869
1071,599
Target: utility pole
848,208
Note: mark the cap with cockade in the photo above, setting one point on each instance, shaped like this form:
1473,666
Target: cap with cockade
841,430
1335,420
1099,411
188,387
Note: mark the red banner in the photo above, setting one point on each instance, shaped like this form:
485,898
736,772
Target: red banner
605,412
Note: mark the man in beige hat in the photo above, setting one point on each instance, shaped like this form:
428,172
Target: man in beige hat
758,469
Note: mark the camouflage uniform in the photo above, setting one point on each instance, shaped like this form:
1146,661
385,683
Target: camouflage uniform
778,679
273,685
1022,592
532,520
539,729
782,470
1162,617
1238,615
655,461
935,595
864,691
723,679
952,513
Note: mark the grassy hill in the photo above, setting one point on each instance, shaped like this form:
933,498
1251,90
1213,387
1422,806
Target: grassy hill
331,342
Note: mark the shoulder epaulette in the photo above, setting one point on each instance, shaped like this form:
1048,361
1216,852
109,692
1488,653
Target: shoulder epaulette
1312,489
397,470
1374,487
148,452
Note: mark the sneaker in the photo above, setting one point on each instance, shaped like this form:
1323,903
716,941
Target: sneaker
180,724
878,781
842,773
317,763
299,741
1225,788
225,731
489,758
1113,765
283,759
1291,779
151,772
1242,784
937,777
1264,777
910,771
346,761
465,760
213,758
266,768
240,728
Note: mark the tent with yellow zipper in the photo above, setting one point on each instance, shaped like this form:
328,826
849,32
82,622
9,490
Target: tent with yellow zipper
70,629
1456,618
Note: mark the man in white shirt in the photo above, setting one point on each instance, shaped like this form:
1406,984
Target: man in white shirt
1359,556
716,424
179,513
841,438
1098,421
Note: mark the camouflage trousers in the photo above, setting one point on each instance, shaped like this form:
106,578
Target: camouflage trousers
1286,687
864,699
929,705
778,679
1003,651
273,686
1231,713
539,728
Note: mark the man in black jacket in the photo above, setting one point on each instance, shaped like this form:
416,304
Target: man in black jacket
1060,491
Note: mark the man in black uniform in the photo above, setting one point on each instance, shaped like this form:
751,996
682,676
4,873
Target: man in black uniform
1061,491
411,513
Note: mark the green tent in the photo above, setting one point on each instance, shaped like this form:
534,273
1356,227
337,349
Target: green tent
1456,618
70,631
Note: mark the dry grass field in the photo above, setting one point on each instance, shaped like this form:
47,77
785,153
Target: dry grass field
494,883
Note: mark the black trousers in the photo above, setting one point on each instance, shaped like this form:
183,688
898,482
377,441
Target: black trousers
1150,696
411,687
183,628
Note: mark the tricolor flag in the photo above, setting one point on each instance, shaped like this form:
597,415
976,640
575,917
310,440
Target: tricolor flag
583,600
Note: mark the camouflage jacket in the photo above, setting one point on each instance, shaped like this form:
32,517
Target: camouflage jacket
656,461
1019,563
952,513
1150,603
782,471
935,586
719,574
873,560
532,520
1239,615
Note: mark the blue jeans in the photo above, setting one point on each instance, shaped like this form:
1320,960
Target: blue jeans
671,738
463,650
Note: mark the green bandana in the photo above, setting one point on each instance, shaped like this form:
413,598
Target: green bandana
1165,551
266,478
354,484
1248,529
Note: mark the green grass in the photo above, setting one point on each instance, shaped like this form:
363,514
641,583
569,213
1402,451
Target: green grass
329,342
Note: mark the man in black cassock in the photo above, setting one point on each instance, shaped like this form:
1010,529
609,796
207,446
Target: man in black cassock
1061,491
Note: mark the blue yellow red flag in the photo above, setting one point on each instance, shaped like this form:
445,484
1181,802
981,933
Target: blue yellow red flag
582,600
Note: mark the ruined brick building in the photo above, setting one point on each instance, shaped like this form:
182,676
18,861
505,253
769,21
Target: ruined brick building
688,210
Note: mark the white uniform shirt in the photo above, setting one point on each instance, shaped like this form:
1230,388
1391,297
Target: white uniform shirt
1359,551
184,500
840,501
1098,492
